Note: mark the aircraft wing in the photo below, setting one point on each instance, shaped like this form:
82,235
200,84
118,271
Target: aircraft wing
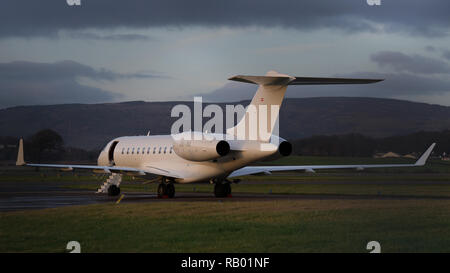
107,169
310,168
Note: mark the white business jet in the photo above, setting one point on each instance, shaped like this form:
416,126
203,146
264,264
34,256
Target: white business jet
206,157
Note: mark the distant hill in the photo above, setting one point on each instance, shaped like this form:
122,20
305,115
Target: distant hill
90,126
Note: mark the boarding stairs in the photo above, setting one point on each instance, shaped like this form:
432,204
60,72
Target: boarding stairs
113,179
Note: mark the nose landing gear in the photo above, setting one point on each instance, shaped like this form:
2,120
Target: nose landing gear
166,188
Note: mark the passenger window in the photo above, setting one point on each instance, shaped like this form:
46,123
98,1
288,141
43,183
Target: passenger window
137,152
148,150
159,150
165,149
171,148
132,151
154,149
123,150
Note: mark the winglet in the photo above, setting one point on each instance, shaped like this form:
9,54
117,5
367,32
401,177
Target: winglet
421,161
20,161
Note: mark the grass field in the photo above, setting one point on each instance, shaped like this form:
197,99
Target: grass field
260,226
419,223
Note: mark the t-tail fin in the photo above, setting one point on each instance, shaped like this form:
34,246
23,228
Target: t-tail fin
261,117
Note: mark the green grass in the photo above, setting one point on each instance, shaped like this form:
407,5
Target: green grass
260,226
410,225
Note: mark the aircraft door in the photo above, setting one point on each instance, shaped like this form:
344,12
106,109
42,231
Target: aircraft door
111,153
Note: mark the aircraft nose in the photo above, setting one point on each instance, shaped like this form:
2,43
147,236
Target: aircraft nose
102,160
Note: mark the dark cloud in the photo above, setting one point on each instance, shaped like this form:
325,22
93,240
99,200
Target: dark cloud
430,48
23,83
394,85
446,54
26,18
61,70
410,63
414,75
112,37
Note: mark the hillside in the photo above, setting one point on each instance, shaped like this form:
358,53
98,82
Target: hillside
90,126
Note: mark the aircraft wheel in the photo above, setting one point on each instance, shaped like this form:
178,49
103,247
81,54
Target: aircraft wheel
228,189
113,190
222,189
170,190
162,190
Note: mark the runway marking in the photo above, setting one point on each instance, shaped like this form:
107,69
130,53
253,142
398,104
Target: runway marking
120,199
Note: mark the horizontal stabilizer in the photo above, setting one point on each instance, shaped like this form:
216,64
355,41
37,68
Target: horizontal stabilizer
281,79
313,81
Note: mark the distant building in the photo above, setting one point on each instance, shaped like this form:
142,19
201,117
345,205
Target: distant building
394,155
390,154
410,156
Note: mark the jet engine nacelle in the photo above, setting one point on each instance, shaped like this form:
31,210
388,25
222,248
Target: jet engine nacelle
201,150
284,148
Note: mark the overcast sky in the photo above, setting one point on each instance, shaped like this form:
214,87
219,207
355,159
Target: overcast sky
117,50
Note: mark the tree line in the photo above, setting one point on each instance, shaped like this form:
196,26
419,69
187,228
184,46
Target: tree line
44,146
48,146
360,145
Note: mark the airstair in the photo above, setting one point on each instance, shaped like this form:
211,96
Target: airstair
113,179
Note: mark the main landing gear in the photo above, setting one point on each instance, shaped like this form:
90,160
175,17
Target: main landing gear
222,189
166,189
113,190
